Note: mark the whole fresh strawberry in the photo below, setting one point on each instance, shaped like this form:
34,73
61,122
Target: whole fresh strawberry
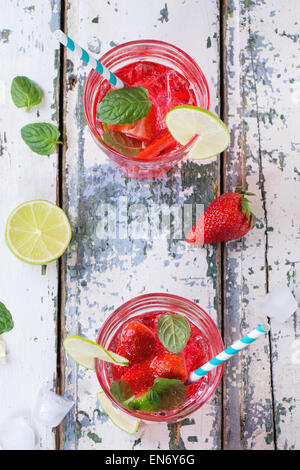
229,217
137,342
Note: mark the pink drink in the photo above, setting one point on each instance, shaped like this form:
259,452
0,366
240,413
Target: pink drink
156,360
172,78
167,89
204,343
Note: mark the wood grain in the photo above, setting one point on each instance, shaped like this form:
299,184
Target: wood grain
253,47
102,274
30,292
259,392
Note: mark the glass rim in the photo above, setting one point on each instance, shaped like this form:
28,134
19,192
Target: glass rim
173,154
169,415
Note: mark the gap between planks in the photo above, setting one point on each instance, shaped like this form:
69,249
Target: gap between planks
60,200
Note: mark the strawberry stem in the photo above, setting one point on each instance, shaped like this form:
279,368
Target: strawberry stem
245,205
243,192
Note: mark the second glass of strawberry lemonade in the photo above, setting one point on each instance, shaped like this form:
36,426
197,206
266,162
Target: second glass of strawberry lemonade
138,317
172,78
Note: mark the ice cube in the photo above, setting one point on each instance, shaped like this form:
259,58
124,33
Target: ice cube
17,434
3,354
279,304
50,408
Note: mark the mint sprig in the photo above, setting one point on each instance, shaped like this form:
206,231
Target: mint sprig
6,321
164,394
173,331
124,106
25,93
41,137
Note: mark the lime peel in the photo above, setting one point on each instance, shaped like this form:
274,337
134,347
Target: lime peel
184,122
118,417
84,352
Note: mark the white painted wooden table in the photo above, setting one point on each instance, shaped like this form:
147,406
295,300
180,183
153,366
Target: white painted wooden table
249,52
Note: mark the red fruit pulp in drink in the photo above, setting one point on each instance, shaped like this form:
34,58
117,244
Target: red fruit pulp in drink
167,89
156,360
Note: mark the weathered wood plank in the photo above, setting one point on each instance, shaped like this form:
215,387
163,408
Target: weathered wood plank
275,49
102,274
26,48
263,157
247,408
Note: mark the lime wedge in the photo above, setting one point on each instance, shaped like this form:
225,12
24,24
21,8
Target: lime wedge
184,122
84,352
38,232
118,418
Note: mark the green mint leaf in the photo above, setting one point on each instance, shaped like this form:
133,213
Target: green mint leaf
124,106
94,437
173,331
122,143
141,404
25,92
41,137
121,391
164,394
6,321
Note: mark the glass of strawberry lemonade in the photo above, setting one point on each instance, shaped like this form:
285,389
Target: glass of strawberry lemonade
145,148
139,330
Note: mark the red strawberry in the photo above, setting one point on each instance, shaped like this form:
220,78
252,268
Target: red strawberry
162,141
140,377
118,371
137,342
143,129
227,218
169,366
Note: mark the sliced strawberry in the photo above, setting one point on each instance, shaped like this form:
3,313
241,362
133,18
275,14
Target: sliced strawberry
118,371
140,377
169,366
143,129
137,342
162,142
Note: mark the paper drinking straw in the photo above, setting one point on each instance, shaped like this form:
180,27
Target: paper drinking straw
228,353
88,59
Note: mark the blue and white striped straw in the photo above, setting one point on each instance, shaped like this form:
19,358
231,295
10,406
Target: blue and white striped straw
88,59
228,353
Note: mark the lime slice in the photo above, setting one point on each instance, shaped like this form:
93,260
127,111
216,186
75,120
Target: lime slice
38,232
84,352
118,418
184,122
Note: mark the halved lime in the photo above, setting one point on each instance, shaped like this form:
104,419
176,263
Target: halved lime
38,232
184,122
84,352
118,418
